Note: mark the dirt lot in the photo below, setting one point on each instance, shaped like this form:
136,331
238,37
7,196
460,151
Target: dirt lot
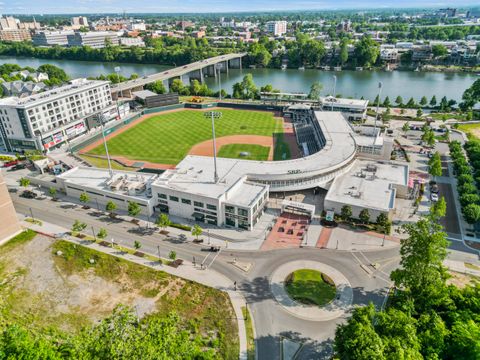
461,280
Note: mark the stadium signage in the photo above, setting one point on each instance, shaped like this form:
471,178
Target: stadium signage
294,171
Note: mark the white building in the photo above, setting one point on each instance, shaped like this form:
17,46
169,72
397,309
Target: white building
353,109
277,28
369,185
51,38
94,39
136,41
78,22
137,26
35,76
47,119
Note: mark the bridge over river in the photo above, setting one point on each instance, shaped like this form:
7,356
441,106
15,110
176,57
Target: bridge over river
197,70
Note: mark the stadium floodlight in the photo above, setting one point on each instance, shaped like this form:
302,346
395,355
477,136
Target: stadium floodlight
334,89
214,115
102,120
219,66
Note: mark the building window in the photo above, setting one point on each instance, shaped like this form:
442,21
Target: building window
186,201
173,198
229,209
211,207
162,196
242,212
198,203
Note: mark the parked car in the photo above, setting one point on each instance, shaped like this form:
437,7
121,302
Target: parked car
434,189
28,194
10,163
434,197
19,166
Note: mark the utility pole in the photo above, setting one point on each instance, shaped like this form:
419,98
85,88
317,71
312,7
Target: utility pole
214,115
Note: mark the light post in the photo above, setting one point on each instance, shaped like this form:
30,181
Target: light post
208,232
214,115
117,70
101,119
219,66
31,214
94,236
159,257
376,115
334,89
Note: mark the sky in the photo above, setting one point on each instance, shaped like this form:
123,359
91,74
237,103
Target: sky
206,6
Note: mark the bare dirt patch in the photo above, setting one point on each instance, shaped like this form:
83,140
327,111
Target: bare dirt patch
461,280
34,284
205,148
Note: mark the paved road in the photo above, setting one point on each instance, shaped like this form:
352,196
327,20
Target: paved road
272,322
450,221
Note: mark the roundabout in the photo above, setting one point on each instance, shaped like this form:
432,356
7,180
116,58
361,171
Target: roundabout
324,304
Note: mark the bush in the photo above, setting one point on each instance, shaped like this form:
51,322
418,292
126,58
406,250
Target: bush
181,226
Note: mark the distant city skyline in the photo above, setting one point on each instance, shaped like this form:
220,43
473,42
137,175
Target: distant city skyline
206,6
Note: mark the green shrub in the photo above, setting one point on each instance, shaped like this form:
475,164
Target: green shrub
181,226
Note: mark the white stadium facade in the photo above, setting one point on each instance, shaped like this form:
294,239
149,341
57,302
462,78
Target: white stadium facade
330,151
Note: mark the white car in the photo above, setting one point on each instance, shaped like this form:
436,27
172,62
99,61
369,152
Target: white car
434,197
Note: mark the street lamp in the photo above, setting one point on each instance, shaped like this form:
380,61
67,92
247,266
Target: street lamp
376,115
334,89
219,66
214,115
102,120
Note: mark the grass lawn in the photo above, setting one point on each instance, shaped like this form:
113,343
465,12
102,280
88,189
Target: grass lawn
472,129
250,333
103,163
167,138
256,152
282,150
308,287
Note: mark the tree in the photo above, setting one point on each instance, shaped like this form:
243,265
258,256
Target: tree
419,113
78,226
343,52
411,103
102,234
433,101
439,209
439,50
84,198
172,255
384,223
405,127
422,274
315,91
364,216
428,137
196,231
54,72
423,101
386,102
133,208
366,51
435,165
24,182
163,221
137,245
471,213
471,96
399,100
53,192
157,87
346,212
111,207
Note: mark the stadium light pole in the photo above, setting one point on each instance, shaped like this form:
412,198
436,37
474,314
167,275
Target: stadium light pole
334,89
219,66
214,115
101,119
380,85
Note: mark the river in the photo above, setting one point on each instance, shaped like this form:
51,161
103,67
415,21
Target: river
349,83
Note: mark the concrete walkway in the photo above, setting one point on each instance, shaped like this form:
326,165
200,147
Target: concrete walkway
333,310
187,271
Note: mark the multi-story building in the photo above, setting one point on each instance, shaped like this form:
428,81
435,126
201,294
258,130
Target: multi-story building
132,41
8,23
352,109
10,225
51,38
47,119
94,39
78,22
15,35
277,28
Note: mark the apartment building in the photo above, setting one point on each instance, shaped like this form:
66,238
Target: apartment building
277,28
51,38
15,35
94,39
45,120
78,22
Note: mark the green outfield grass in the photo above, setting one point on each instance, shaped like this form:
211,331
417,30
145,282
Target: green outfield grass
257,152
167,138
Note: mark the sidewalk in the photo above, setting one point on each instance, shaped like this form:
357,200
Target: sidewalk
187,271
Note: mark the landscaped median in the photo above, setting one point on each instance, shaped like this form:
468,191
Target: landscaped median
310,287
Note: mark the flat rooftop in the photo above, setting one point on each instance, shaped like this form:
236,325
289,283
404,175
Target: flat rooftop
369,184
99,179
56,93
344,101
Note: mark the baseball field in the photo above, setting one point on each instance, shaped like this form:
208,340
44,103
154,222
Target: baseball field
167,138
